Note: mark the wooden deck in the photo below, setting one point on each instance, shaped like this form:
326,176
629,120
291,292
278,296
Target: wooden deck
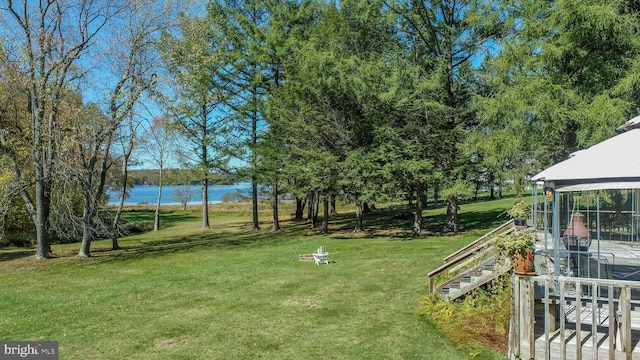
574,318
586,318
570,337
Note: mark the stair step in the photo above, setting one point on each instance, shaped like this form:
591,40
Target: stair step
479,266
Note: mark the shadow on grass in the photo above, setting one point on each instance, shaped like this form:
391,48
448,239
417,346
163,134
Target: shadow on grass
479,220
17,254
167,219
191,242
395,223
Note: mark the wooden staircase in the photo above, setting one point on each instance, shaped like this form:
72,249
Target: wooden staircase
470,267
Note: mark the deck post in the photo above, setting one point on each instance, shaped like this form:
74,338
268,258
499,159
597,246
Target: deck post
624,326
578,320
612,324
594,320
563,342
549,321
514,323
532,316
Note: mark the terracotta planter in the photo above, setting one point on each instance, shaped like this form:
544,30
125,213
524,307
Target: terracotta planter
523,264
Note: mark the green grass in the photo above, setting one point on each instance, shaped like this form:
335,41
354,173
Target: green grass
227,293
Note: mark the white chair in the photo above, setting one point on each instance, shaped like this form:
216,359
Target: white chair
321,257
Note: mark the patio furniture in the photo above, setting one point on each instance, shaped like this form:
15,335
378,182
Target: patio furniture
321,256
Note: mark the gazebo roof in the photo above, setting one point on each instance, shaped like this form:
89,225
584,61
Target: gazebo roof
611,164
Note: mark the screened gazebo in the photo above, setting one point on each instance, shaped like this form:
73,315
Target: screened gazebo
572,194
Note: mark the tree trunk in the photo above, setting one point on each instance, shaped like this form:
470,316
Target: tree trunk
310,203
42,251
86,242
325,218
156,215
87,228
254,203
310,210
316,207
300,205
116,219
436,198
125,181
276,224
92,197
492,191
423,198
359,212
417,222
254,165
451,222
42,236
332,209
205,204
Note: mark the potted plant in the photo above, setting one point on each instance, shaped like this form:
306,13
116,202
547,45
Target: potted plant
519,246
519,212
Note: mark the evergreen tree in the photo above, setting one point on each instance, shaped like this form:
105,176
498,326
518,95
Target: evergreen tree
563,79
195,60
444,38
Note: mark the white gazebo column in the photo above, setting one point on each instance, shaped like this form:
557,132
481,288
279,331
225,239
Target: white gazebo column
545,213
555,230
598,231
635,216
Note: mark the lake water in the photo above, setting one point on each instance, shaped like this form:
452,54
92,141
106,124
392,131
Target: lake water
148,194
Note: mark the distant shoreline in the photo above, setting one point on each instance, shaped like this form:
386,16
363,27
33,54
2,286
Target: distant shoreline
148,194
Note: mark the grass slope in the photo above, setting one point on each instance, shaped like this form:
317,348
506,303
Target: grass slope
226,293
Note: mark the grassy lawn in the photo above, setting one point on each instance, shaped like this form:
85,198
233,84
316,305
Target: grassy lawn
227,293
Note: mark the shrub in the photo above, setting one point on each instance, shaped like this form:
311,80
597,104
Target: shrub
479,321
138,227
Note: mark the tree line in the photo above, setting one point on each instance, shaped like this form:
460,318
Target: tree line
172,176
363,100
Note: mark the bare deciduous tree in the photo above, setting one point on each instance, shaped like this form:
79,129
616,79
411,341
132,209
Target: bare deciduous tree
133,54
158,141
49,37
134,58
183,195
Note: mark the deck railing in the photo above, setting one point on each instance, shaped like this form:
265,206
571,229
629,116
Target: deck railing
572,318
468,256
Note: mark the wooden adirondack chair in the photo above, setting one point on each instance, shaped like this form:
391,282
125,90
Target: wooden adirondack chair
321,257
